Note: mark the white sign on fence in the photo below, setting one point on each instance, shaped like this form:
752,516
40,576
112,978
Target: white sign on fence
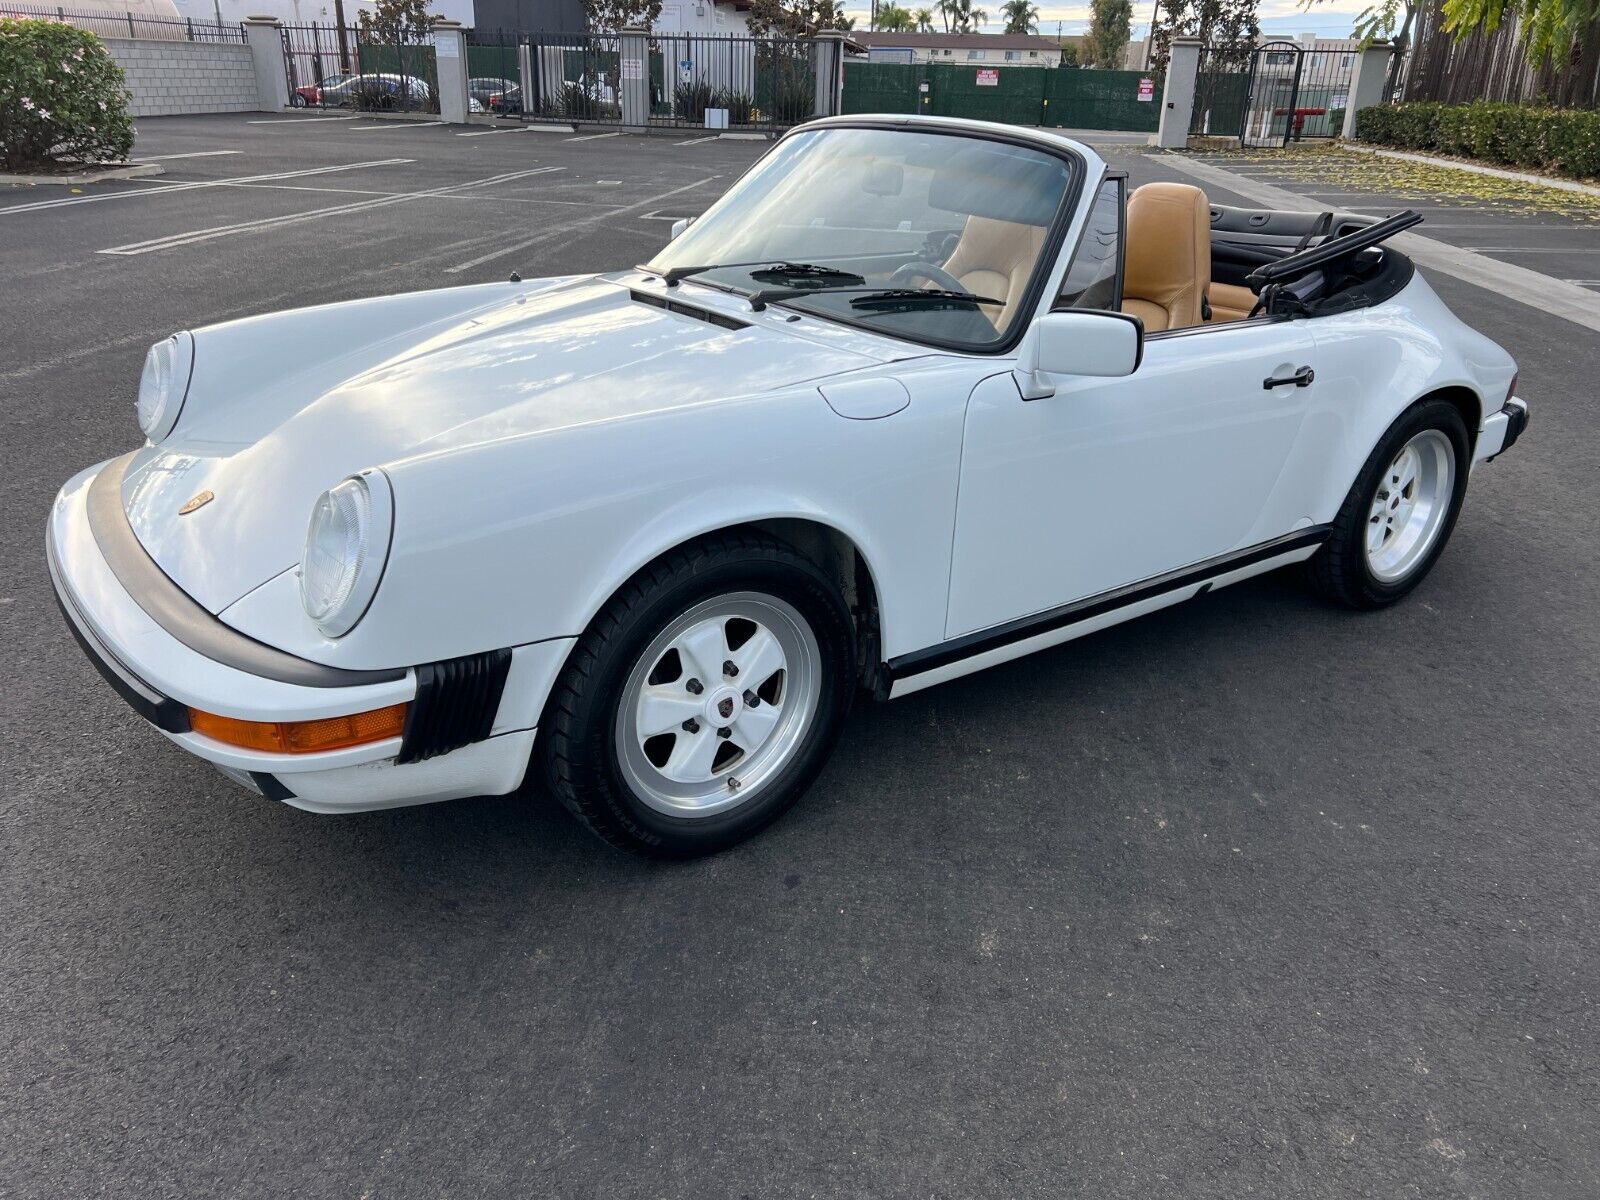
633,68
988,76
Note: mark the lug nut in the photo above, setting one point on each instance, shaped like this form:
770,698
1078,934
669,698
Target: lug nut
695,687
724,732
691,726
729,669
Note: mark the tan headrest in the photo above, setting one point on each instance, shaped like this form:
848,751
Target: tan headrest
1169,250
993,258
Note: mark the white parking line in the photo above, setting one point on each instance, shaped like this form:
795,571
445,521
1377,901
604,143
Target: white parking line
207,183
191,237
191,154
594,137
487,132
567,229
388,125
296,120
696,141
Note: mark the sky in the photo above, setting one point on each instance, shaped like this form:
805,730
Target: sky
1329,18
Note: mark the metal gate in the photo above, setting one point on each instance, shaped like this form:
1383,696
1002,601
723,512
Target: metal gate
1295,94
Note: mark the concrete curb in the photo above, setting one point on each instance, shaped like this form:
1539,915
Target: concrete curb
1543,292
93,175
1434,160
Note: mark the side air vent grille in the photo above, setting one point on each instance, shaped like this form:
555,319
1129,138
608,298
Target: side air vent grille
689,310
455,705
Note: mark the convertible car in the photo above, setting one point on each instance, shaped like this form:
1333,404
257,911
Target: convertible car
914,397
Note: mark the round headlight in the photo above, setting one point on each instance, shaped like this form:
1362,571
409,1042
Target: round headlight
347,546
164,384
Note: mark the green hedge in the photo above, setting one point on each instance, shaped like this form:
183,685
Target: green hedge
62,99
1558,139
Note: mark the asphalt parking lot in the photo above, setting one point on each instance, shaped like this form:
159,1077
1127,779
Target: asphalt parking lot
1253,897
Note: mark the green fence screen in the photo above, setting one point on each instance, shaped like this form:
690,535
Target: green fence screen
1066,98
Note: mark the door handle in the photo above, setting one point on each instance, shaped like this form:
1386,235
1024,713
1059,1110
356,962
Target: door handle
1301,378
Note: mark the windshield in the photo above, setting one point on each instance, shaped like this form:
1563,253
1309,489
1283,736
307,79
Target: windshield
832,217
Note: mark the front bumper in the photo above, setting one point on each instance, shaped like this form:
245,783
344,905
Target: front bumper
161,677
1500,430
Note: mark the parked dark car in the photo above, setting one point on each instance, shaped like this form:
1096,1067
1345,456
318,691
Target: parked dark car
396,93
499,96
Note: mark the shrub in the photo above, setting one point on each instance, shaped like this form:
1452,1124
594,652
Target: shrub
738,104
62,99
690,100
1518,135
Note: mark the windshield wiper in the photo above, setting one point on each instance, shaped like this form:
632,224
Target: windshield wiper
776,268
891,298
872,297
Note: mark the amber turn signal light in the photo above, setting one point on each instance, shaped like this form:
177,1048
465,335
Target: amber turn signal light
302,737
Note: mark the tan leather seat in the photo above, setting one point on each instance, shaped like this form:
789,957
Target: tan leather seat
1230,302
1168,255
993,258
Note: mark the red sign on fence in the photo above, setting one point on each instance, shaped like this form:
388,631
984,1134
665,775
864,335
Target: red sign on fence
1147,89
988,77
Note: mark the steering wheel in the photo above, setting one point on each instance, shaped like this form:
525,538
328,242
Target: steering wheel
913,271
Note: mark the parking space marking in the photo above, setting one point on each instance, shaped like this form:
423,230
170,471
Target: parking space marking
1534,249
296,120
487,132
190,154
171,188
567,229
429,195
390,125
191,237
594,137
697,141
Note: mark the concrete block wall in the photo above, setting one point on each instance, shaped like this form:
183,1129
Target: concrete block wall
186,77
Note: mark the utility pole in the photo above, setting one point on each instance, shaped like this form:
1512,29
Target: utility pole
344,46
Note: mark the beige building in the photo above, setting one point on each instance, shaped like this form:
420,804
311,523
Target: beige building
975,49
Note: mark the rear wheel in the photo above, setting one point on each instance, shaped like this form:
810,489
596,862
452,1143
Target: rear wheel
1400,511
703,700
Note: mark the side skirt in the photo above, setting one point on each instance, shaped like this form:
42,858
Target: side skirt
1002,643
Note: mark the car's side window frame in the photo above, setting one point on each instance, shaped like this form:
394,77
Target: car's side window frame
1118,180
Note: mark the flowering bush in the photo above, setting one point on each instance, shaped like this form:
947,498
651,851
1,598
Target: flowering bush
62,99
1518,135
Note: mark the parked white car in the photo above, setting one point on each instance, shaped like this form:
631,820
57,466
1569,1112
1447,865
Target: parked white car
913,398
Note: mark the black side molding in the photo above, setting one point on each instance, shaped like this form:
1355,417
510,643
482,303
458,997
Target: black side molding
985,640
170,607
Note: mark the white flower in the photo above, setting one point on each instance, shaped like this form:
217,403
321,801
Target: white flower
27,104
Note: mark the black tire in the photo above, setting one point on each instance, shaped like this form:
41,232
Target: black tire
577,731
1339,570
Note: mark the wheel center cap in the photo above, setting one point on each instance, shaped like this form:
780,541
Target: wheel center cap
724,705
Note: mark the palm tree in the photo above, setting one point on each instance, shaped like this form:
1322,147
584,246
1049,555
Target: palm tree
1022,16
961,17
924,20
894,19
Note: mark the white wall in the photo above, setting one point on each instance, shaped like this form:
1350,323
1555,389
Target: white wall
186,77
701,16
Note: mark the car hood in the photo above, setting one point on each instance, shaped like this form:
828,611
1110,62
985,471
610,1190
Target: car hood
578,353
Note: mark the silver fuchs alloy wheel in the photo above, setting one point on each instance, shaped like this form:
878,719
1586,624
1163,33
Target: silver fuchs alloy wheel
1410,506
718,704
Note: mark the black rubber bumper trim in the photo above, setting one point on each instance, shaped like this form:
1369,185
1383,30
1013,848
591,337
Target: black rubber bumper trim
271,786
455,704
1516,423
170,607
985,640
161,711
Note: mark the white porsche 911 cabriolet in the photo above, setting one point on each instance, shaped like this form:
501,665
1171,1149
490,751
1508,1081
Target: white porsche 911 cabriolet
915,397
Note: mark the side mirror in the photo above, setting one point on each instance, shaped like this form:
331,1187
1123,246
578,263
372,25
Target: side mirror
679,226
1088,342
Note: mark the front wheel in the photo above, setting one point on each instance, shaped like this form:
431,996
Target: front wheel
1400,511
704,698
